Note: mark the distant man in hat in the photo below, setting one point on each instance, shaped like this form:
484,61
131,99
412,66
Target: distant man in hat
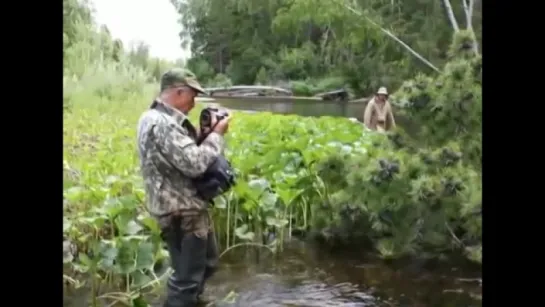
378,114
169,160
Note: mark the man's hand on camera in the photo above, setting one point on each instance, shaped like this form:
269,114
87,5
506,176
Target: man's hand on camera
222,126
213,121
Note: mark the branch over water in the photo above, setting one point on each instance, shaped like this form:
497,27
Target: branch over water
392,36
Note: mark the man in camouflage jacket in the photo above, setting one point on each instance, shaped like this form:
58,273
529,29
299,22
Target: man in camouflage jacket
169,160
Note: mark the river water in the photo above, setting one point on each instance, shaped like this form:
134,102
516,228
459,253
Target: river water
304,275
307,276
296,106
305,107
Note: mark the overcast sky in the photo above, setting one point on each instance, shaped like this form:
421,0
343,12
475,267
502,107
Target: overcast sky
151,21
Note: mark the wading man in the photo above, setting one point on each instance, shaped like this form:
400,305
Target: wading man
170,160
378,113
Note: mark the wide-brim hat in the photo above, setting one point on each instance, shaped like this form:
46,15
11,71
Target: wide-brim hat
382,91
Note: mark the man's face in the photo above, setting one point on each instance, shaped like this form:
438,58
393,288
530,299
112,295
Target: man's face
186,99
381,97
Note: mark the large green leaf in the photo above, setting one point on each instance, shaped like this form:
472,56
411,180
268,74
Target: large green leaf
243,233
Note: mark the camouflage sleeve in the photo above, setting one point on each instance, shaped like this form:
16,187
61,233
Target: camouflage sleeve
182,151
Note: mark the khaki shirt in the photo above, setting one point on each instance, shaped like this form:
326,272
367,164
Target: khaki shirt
170,159
379,116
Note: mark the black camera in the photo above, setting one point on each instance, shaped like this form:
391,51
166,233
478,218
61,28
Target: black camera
220,176
205,120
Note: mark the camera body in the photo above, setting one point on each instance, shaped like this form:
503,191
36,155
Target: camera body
205,119
220,176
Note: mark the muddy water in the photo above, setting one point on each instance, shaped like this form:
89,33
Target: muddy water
306,276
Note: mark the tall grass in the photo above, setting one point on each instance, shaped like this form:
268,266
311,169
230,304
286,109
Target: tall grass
104,94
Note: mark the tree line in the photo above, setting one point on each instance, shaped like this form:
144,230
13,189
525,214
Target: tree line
322,44
88,44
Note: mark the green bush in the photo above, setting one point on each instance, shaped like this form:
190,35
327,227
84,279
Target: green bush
312,87
406,198
220,80
301,88
451,101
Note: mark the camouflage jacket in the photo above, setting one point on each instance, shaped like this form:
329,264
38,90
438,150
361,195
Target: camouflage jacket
169,159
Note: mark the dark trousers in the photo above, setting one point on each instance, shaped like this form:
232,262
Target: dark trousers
194,257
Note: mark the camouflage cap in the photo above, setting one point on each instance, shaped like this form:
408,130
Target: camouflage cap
176,76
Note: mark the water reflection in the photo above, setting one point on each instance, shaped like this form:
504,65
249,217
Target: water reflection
303,276
303,107
306,276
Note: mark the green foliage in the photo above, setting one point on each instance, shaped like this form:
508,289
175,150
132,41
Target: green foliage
295,174
451,101
114,241
110,242
321,175
405,203
262,77
311,87
201,68
97,64
300,88
139,56
303,39
220,80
